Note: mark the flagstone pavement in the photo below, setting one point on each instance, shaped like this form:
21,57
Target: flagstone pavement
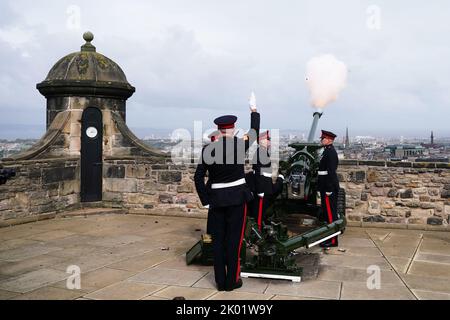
143,257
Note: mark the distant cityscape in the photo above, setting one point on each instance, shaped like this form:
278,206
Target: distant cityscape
426,149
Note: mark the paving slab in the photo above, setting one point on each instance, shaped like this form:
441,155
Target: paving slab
377,234
144,261
97,279
76,250
27,252
16,268
235,295
434,258
354,261
49,293
358,232
400,265
430,269
436,235
430,295
358,242
6,295
169,277
359,291
346,274
407,232
435,246
187,292
50,235
312,289
20,231
63,223
179,263
89,262
426,283
345,250
73,240
128,250
15,243
208,281
125,291
400,251
118,240
33,280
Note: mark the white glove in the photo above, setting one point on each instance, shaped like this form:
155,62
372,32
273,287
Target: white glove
281,176
328,193
206,207
261,195
252,102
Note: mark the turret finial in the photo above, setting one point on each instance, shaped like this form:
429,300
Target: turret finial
88,37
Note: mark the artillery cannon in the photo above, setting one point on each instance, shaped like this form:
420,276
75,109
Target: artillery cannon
269,252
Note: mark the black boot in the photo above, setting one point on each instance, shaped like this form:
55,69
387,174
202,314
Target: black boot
220,287
236,285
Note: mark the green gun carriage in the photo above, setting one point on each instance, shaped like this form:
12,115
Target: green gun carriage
291,222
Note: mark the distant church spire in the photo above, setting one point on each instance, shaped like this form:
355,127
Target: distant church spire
347,140
432,138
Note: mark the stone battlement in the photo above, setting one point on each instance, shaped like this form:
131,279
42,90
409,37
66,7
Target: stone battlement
398,194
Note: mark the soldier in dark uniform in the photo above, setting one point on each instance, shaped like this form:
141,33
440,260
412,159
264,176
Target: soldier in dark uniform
265,189
227,198
328,183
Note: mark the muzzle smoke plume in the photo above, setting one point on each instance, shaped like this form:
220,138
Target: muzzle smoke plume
326,77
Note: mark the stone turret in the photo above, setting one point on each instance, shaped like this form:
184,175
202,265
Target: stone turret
79,81
85,74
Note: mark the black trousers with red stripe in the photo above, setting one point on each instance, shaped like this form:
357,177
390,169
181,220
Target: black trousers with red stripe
257,209
329,212
227,229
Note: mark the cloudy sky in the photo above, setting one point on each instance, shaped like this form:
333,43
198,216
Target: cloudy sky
195,60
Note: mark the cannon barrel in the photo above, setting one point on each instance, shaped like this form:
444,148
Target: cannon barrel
310,237
313,129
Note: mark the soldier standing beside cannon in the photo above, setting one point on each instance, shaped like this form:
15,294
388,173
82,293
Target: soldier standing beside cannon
328,183
226,199
263,186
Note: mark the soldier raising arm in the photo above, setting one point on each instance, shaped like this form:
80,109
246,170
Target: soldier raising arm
227,199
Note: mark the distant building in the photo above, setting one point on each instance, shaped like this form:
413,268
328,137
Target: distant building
405,151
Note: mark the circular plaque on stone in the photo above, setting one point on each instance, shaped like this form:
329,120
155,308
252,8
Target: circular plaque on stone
91,132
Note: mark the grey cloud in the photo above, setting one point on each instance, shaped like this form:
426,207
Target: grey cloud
195,61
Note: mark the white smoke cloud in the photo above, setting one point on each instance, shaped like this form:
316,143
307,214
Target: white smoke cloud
326,77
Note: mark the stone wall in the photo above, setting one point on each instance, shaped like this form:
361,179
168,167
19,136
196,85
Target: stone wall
40,189
397,193
149,185
394,193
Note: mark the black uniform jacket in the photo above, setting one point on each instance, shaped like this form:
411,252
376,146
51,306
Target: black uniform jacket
227,168
262,168
329,163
